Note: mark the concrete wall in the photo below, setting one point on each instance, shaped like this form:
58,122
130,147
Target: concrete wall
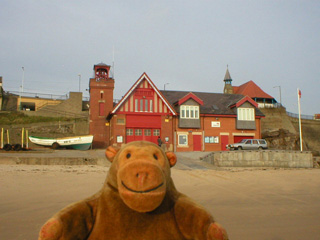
72,107
268,158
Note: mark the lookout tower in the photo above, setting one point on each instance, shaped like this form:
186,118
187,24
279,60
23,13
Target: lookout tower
101,88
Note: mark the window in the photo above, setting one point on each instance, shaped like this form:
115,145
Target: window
182,112
129,132
147,132
191,112
151,105
146,105
138,132
156,132
246,114
211,139
262,142
120,121
136,105
183,139
141,105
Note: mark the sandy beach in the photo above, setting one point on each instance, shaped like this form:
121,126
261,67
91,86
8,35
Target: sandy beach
270,204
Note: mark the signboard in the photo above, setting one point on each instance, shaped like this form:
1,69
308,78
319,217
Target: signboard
119,139
215,124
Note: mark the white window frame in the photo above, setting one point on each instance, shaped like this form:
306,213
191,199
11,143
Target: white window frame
245,114
129,132
189,112
156,132
186,138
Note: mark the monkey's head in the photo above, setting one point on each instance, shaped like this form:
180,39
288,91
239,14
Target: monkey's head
141,172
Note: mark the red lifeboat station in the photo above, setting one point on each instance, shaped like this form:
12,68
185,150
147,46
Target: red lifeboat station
183,120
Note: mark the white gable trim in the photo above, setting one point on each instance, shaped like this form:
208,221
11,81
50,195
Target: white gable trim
144,76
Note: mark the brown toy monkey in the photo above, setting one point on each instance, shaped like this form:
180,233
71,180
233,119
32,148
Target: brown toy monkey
138,201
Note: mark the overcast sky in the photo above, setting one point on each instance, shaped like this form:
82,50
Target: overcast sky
187,44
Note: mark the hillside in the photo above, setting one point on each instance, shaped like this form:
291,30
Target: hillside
282,131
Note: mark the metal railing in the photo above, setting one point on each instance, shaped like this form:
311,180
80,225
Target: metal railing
39,95
303,116
269,105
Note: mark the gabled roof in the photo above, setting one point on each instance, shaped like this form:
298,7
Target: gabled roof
243,100
252,90
187,97
213,103
144,76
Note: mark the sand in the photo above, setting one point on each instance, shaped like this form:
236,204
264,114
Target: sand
251,204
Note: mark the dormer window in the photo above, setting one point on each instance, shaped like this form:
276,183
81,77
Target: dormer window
246,114
189,112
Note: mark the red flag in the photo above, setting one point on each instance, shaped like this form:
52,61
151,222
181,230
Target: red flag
299,93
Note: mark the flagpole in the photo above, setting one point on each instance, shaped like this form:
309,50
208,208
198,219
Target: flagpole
300,129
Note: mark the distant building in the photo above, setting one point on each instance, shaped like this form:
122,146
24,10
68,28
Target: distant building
250,89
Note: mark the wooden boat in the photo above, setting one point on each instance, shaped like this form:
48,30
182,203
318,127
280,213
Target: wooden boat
75,142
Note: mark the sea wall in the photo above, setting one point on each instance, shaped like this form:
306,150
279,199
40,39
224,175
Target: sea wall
267,158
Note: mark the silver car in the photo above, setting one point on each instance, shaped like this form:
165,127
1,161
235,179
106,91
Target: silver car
249,144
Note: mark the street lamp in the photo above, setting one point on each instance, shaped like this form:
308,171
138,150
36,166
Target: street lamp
79,81
164,86
21,87
279,92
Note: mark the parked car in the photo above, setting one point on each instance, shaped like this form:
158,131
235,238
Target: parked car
249,144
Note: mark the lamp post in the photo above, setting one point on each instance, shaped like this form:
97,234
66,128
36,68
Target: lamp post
79,82
279,92
21,87
164,86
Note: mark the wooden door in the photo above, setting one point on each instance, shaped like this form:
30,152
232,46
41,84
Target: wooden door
224,142
196,142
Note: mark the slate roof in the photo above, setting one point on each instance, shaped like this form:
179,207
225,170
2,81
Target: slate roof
213,103
252,90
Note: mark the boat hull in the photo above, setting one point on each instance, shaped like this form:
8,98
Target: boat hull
75,142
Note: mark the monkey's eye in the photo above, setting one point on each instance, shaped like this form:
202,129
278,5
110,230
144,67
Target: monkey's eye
128,155
155,156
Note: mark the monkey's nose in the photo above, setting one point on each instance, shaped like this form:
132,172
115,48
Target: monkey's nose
142,177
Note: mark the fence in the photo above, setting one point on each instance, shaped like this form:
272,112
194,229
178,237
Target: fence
295,115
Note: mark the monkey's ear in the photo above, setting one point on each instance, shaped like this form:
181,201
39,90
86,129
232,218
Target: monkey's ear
111,153
172,158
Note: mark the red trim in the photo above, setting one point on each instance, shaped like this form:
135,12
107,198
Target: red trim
215,115
243,100
188,96
153,86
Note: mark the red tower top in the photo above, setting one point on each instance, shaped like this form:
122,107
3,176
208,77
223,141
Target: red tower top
101,71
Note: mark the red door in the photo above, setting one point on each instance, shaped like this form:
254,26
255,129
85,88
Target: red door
196,142
224,142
